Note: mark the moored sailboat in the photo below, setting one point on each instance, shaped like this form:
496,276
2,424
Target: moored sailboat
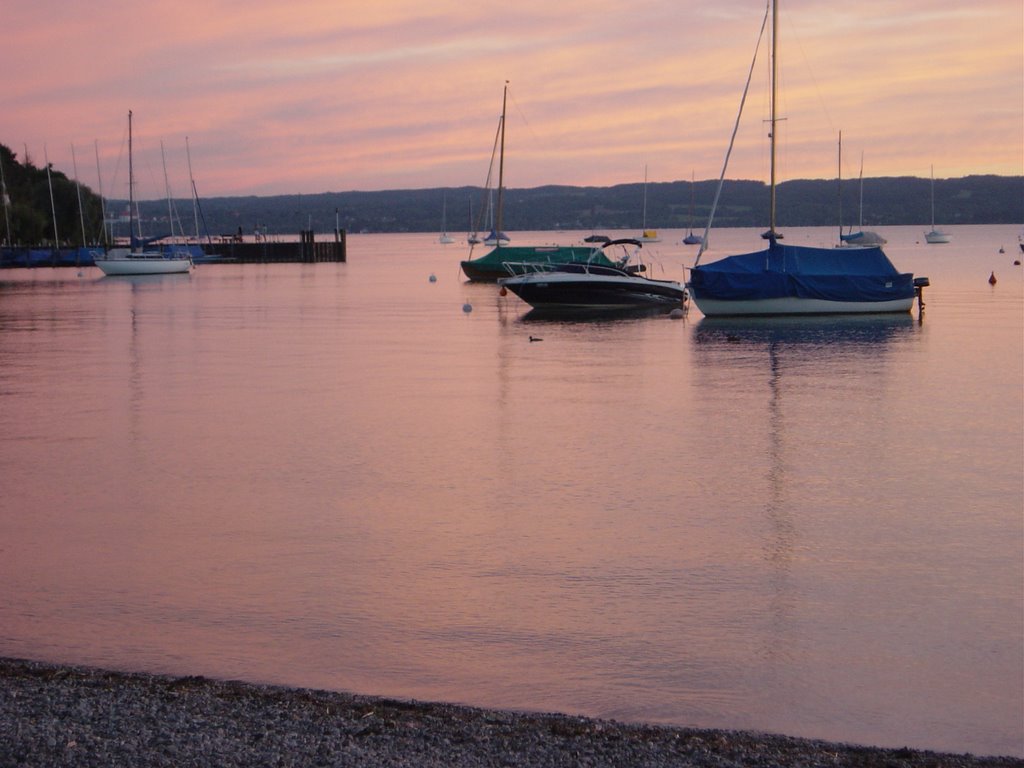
861,237
935,236
790,279
135,259
692,239
493,264
647,235
445,238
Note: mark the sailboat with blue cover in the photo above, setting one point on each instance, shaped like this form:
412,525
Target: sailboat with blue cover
793,279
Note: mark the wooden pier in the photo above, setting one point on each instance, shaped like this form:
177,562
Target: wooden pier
226,250
306,251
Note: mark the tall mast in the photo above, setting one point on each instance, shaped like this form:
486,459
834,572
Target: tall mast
131,188
6,200
501,166
195,195
860,203
53,207
933,198
840,177
78,191
775,86
103,202
644,222
167,189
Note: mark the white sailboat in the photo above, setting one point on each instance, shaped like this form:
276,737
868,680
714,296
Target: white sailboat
936,235
472,237
135,260
445,238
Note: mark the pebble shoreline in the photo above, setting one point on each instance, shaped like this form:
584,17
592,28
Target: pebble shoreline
52,715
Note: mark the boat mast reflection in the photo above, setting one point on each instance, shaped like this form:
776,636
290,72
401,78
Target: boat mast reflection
793,351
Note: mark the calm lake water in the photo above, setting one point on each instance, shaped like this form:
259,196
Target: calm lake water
334,476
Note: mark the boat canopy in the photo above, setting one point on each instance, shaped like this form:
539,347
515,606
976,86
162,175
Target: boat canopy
145,242
830,274
863,238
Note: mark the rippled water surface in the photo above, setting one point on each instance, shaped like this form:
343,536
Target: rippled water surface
335,476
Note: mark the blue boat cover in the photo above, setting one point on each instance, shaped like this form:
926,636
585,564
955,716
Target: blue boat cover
779,271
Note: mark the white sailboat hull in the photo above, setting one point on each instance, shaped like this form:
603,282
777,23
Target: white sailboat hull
937,236
121,262
792,305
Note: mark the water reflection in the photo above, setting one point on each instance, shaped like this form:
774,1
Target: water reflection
147,282
593,315
794,366
840,333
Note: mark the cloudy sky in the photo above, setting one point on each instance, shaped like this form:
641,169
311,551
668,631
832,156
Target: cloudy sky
332,95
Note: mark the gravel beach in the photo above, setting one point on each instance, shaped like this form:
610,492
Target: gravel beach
54,715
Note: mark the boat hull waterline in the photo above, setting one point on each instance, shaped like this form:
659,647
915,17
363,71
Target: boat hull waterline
936,237
789,305
143,263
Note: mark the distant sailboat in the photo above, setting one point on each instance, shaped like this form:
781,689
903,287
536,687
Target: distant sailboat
692,239
472,237
935,235
494,237
647,235
445,238
860,237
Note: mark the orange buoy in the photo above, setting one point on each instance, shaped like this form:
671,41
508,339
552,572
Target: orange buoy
992,279
503,291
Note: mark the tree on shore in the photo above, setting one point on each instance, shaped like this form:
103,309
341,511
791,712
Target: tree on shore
28,216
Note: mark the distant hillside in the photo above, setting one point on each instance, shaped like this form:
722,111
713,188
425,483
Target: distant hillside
28,213
887,201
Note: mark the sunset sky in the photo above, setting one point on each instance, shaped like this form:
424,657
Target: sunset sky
317,95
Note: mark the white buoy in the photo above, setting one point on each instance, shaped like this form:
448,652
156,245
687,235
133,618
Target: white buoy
467,307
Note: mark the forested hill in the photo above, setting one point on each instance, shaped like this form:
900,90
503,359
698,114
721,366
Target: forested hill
887,201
